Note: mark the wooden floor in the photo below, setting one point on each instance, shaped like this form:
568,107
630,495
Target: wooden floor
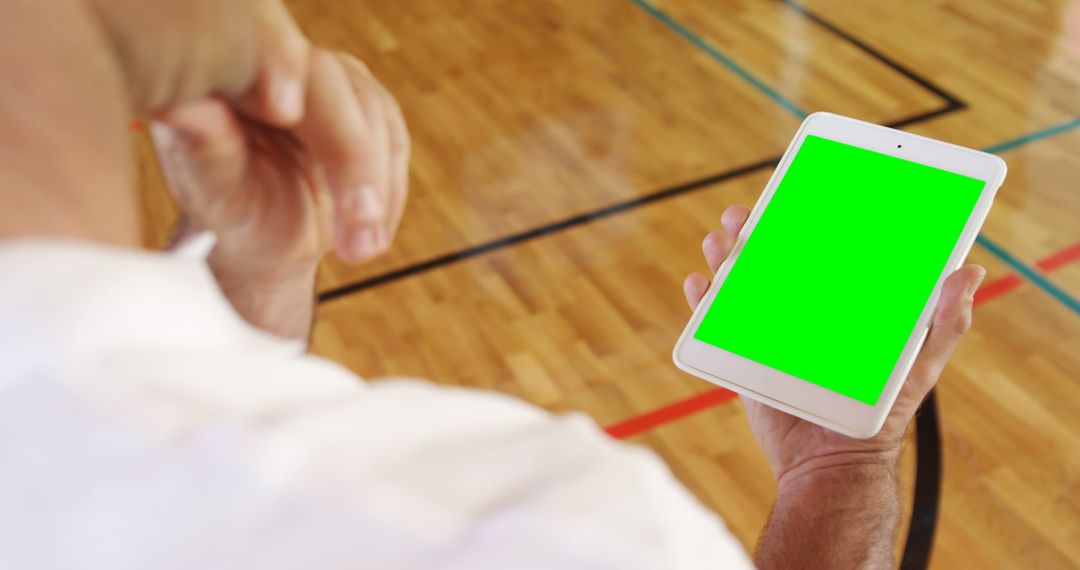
570,156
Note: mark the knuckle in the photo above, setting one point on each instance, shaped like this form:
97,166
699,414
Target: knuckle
353,152
962,323
714,240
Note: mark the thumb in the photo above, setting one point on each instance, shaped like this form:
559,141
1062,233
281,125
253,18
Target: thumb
952,319
203,154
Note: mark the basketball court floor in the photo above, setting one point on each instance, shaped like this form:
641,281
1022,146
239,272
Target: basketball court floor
569,156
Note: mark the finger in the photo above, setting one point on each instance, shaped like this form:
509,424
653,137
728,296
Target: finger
277,96
694,287
202,150
733,220
716,247
400,152
392,139
952,319
339,136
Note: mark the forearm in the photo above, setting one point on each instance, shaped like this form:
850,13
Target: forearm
277,299
837,516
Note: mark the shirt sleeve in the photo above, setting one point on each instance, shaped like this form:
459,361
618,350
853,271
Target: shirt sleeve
485,481
401,474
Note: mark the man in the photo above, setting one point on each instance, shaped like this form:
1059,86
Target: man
158,409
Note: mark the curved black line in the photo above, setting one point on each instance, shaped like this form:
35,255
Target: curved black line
927,501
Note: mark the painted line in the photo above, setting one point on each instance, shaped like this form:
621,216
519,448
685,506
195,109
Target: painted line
667,414
1061,258
717,396
994,248
578,220
1000,252
717,55
1035,136
910,74
624,206
997,288
557,226
953,104
1031,274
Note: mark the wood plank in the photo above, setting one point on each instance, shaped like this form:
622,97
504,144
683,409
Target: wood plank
814,67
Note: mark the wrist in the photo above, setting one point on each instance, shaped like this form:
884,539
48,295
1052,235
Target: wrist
845,467
279,300
238,275
840,510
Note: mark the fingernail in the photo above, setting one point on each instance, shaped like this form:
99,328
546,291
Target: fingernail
289,99
367,203
163,136
364,243
169,142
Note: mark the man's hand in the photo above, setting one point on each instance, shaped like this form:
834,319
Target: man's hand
838,504
795,446
279,200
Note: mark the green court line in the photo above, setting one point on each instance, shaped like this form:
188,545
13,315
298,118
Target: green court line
1035,136
1003,254
717,55
1030,273
998,251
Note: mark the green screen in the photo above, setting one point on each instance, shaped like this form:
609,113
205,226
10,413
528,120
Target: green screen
831,282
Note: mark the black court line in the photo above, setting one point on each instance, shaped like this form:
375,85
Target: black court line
578,220
581,219
907,72
953,104
551,228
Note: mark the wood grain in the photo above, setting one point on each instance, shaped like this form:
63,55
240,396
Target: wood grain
527,113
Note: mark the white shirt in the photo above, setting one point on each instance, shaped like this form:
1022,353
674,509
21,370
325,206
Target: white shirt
145,425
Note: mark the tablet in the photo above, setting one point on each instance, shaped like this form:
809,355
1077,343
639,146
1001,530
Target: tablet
831,285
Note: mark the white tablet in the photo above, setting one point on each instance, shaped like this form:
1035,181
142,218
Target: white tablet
830,288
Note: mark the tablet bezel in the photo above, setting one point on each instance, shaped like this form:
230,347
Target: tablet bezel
802,398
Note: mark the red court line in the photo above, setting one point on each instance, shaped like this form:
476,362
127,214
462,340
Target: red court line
1061,258
669,413
712,398
997,288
